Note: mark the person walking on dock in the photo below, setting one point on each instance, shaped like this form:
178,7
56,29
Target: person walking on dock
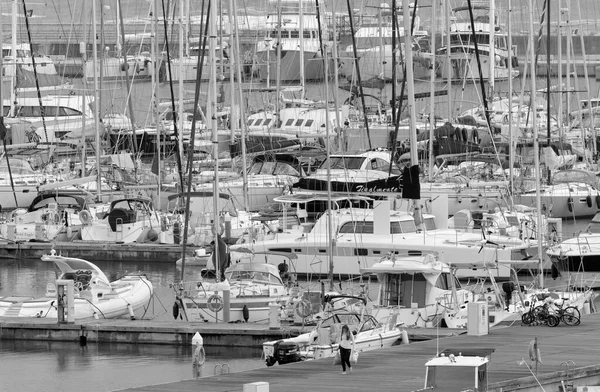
346,347
198,360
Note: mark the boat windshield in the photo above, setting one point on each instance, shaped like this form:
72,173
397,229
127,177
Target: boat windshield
349,163
273,168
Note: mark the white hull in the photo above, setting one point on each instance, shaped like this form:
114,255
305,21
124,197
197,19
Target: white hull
463,67
353,251
94,296
377,63
114,68
314,66
187,69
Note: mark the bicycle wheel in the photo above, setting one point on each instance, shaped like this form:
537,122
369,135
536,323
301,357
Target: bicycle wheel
527,318
570,319
540,313
571,311
552,320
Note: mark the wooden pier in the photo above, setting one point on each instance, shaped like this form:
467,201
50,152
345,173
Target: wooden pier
401,368
95,251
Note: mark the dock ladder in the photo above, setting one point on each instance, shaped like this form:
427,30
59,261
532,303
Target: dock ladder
221,369
567,383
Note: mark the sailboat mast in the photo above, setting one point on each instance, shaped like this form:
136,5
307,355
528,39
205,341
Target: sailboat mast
410,86
301,38
180,92
13,54
536,145
211,111
432,87
492,51
238,69
335,83
96,99
511,149
448,61
155,81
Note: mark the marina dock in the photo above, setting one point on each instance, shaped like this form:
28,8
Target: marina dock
401,368
173,332
95,251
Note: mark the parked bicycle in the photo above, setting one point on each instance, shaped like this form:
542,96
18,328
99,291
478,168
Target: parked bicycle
551,312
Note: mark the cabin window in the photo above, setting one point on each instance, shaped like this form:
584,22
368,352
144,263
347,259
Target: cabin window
289,122
357,227
250,122
299,122
429,224
258,122
297,250
361,252
294,34
404,290
284,250
376,252
323,251
5,110
309,123
267,122
307,34
408,226
285,169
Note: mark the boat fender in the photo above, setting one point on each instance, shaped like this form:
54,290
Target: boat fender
480,200
85,217
515,61
570,204
246,313
303,309
475,135
175,310
588,199
124,66
598,201
554,272
405,337
152,236
465,135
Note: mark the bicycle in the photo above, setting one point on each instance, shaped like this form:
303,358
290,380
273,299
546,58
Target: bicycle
569,315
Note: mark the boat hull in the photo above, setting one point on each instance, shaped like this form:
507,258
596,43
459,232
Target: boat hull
314,65
131,290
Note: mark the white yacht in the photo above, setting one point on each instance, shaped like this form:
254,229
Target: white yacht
463,56
374,48
361,237
294,38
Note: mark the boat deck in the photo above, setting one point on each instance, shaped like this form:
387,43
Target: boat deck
401,368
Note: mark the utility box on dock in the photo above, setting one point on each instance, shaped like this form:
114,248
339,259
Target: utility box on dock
66,300
260,386
477,318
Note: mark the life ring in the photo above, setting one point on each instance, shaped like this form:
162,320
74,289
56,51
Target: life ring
214,303
303,309
85,217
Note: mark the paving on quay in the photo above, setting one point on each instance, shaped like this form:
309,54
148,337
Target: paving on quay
401,368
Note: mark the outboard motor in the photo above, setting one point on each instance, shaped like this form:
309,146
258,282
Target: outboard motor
284,352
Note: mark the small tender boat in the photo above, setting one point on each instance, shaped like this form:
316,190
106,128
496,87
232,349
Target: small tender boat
95,296
323,340
253,286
